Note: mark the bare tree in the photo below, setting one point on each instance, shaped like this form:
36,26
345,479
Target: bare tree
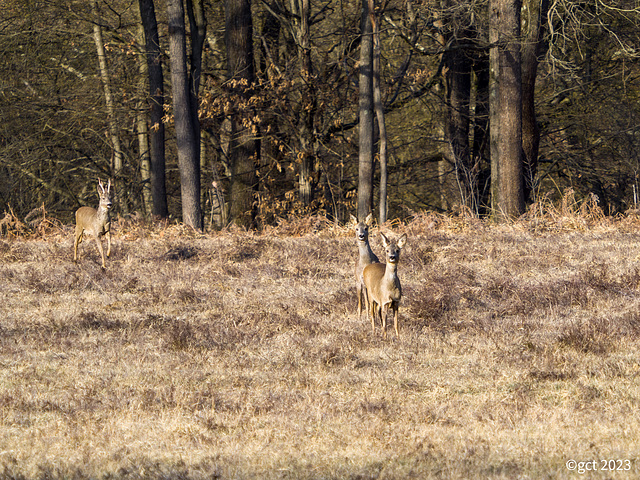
106,84
534,21
301,11
142,128
365,108
506,109
156,109
378,106
188,146
198,32
243,146
457,67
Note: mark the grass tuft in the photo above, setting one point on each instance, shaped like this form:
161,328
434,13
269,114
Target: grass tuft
592,336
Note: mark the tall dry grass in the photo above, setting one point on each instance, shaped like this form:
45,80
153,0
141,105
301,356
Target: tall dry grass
235,355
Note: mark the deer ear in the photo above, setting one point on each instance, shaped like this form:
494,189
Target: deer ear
402,241
385,240
354,220
369,219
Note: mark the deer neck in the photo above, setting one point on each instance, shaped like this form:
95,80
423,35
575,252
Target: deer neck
102,214
391,271
365,249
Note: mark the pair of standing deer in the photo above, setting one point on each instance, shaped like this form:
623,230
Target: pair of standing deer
377,284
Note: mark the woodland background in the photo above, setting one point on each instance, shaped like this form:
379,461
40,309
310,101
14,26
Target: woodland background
268,95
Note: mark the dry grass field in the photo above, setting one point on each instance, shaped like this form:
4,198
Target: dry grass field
233,355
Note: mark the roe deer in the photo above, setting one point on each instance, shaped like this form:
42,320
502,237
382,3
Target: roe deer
383,285
365,257
95,222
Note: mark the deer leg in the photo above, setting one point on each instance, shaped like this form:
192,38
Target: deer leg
375,313
365,296
395,318
108,235
371,305
359,293
76,241
383,313
99,243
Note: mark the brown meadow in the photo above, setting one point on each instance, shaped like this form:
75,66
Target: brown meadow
240,356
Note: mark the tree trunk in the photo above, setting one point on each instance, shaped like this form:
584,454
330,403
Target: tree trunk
458,93
481,156
506,109
156,112
143,128
378,106
365,107
106,84
198,29
494,130
306,140
188,146
243,146
534,19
